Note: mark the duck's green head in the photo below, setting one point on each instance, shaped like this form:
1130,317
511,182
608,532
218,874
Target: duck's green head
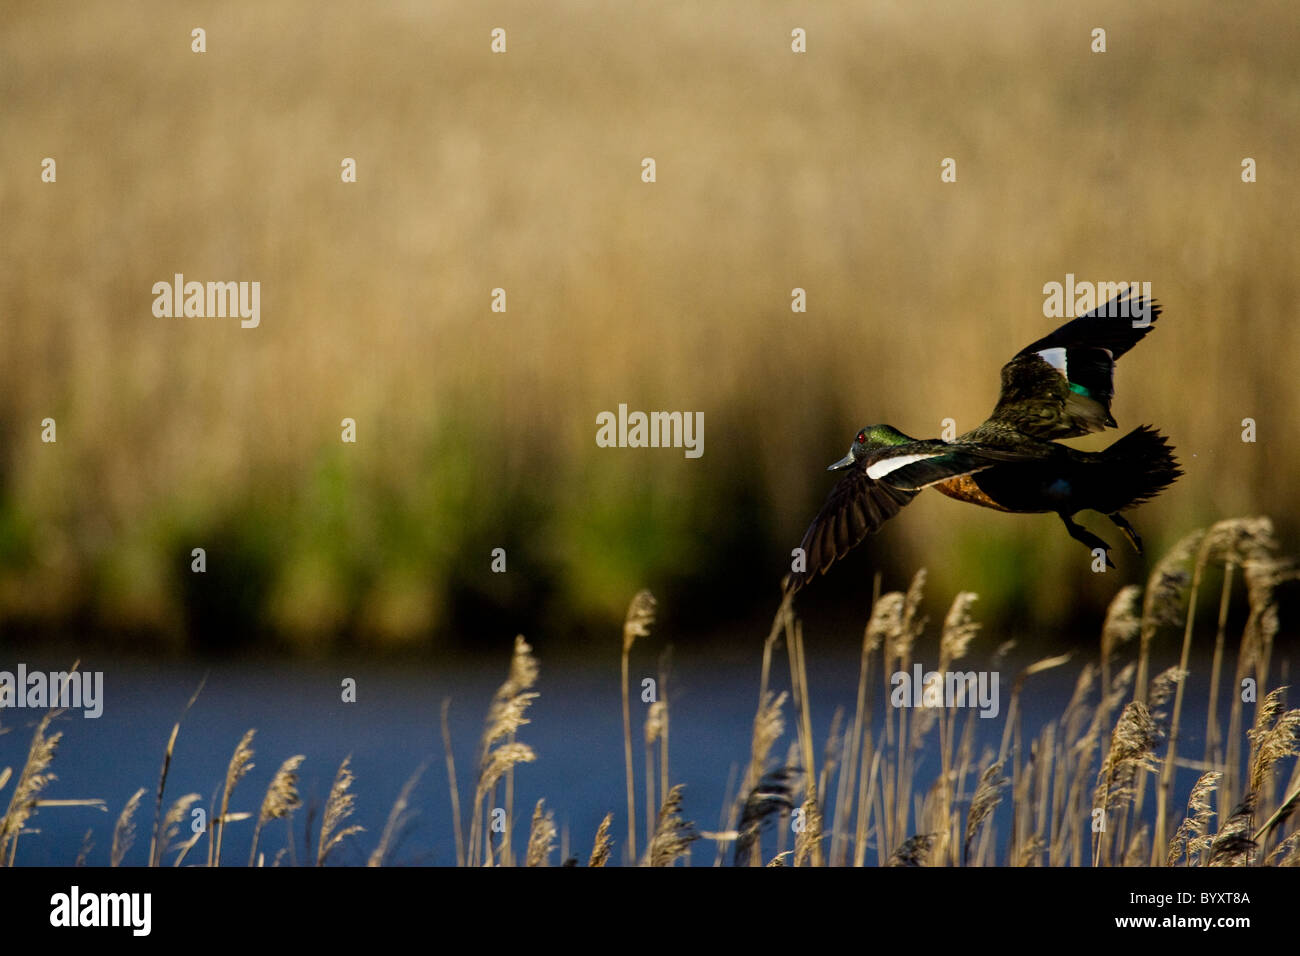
869,439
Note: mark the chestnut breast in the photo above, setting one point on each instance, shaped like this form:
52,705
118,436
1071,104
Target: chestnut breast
963,488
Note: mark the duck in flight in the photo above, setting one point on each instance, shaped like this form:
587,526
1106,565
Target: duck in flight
1058,387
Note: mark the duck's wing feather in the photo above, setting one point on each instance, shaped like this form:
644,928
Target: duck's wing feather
1061,386
858,505
877,488
913,474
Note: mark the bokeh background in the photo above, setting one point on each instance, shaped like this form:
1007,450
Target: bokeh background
476,430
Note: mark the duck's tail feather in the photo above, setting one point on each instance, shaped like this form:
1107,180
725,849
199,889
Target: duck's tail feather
1133,470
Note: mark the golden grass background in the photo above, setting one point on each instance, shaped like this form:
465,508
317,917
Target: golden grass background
522,171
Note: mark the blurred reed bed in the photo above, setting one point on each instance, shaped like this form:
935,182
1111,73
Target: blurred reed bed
1034,800
522,171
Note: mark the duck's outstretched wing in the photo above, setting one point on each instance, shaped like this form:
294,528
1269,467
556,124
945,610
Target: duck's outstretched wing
875,490
1061,385
858,505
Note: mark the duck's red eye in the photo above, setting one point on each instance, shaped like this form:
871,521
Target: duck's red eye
862,438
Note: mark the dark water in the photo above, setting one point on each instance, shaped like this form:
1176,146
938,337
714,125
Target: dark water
393,728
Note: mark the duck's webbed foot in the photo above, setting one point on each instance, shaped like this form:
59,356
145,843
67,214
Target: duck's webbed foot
1129,532
1079,533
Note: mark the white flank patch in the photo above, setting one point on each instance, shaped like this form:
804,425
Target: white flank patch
1055,358
882,468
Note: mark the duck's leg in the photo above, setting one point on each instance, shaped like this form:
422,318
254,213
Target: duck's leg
1079,533
1128,530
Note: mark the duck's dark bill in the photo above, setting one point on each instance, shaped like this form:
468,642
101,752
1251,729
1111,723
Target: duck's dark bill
843,463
